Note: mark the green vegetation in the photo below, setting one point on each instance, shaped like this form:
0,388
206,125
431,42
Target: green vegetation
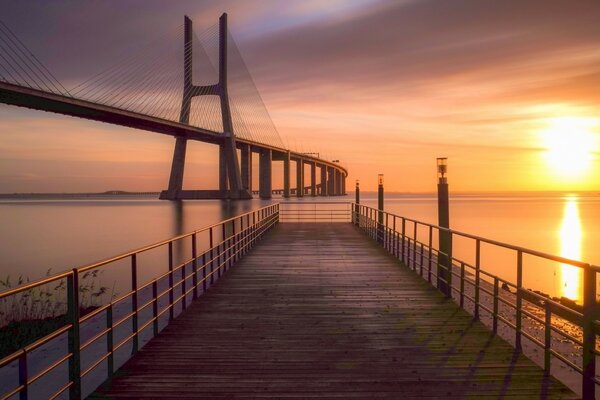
32,314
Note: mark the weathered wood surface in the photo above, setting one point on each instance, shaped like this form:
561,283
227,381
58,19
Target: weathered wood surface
319,311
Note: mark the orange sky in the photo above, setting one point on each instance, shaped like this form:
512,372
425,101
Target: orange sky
385,87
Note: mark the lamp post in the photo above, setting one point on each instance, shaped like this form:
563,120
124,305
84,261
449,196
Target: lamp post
380,208
445,237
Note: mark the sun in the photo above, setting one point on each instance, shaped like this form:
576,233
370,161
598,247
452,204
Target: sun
570,145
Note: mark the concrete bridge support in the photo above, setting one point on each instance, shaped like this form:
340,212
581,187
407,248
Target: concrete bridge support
313,179
265,173
338,183
286,175
330,181
230,179
323,180
299,178
246,152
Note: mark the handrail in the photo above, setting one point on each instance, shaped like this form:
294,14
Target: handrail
427,261
236,236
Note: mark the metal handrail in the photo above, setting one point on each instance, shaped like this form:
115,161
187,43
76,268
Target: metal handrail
425,260
207,266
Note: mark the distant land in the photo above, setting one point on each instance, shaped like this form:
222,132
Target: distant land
107,194
110,194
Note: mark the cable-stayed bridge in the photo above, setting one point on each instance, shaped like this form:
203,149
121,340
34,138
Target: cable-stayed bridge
199,91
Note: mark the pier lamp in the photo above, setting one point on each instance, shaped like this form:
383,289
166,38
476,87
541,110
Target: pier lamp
445,238
442,168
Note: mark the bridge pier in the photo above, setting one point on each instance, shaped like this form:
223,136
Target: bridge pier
323,180
313,179
299,178
286,175
265,172
246,152
222,169
330,181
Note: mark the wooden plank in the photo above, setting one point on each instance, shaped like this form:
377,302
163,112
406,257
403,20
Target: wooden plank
318,310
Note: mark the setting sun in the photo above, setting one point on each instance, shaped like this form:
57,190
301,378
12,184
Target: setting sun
570,145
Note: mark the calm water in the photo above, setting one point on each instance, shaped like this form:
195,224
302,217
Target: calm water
36,236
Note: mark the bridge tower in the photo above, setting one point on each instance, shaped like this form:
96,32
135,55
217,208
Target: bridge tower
230,178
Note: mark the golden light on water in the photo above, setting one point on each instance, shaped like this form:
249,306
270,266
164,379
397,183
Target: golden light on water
570,247
570,144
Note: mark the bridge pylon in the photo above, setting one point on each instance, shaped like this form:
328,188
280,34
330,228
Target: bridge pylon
230,178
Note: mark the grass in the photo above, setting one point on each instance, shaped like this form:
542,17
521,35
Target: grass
35,313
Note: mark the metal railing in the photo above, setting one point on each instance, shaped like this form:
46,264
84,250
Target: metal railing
213,250
400,237
315,211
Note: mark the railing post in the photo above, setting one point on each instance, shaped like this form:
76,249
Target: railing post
589,333
134,304
74,344
183,286
222,251
393,241
415,246
495,313
477,277
23,376
194,267
155,307
462,285
171,306
547,335
430,253
234,247
211,244
403,240
110,341
519,316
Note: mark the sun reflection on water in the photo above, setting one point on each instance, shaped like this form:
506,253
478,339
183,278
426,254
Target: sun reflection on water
570,247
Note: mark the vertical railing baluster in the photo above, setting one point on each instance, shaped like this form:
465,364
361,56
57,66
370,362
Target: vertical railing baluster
547,335
415,246
462,285
74,344
23,376
395,239
194,267
495,312
421,259
183,286
403,241
110,340
235,242
589,333
477,277
430,253
519,315
134,304
155,307
211,244
386,232
171,306
222,251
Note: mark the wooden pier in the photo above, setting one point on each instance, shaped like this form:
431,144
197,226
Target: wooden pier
318,310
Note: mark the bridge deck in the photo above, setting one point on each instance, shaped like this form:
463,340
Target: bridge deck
317,310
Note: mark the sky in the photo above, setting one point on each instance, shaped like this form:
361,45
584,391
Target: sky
507,90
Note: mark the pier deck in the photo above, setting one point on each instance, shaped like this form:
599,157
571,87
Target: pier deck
319,310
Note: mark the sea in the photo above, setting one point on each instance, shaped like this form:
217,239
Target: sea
44,236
